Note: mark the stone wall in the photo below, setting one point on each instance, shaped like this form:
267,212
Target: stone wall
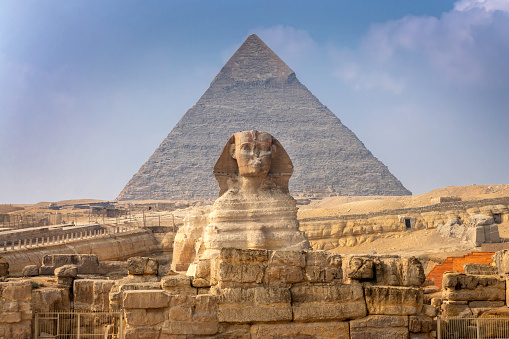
468,295
107,247
15,310
281,294
349,230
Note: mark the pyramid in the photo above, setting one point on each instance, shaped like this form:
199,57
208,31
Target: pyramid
256,90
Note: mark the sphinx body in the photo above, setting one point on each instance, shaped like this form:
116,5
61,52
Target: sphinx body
266,220
254,208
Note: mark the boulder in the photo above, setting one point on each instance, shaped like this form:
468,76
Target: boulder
30,271
142,266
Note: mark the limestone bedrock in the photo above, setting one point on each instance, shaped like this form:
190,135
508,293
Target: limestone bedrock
254,209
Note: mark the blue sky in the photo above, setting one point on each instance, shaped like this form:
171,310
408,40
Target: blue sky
89,89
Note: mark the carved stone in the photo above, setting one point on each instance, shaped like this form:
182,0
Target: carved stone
254,209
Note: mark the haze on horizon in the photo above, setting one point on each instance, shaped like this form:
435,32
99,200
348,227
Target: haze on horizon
89,89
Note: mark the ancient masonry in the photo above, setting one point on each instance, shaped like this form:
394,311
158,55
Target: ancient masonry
257,90
256,294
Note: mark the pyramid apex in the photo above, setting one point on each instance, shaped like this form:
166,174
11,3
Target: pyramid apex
253,62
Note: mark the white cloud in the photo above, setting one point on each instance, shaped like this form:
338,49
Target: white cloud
488,5
465,45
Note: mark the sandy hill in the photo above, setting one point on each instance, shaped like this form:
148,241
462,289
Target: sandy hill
334,206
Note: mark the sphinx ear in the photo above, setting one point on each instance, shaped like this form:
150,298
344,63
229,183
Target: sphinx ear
273,150
232,151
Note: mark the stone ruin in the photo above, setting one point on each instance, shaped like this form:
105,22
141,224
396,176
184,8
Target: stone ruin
477,230
258,293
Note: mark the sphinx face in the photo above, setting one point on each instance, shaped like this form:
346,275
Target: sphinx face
253,152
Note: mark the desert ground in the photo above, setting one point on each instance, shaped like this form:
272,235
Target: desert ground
420,243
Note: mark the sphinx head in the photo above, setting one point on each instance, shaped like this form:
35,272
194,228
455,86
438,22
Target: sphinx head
253,151
250,155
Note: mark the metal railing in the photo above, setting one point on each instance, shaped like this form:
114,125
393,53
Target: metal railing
473,328
78,325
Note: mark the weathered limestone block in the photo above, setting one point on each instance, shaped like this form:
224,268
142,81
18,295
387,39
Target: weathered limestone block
460,286
142,333
30,271
86,263
485,305
67,271
116,295
323,267
361,268
15,309
4,268
429,310
65,275
412,272
480,269
239,267
421,324
233,331
479,220
389,300
256,304
285,267
386,270
113,268
193,315
10,317
144,317
16,290
327,302
202,273
178,284
50,299
146,299
142,266
92,294
501,260
457,309
318,330
379,327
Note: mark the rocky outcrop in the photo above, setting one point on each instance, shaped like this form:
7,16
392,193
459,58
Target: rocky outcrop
477,230
326,233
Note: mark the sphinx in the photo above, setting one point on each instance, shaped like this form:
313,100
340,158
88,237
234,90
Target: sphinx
254,208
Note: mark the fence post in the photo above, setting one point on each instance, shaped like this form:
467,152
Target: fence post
478,329
36,325
439,333
121,325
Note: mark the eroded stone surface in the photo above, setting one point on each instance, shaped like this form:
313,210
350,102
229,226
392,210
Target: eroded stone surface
389,300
